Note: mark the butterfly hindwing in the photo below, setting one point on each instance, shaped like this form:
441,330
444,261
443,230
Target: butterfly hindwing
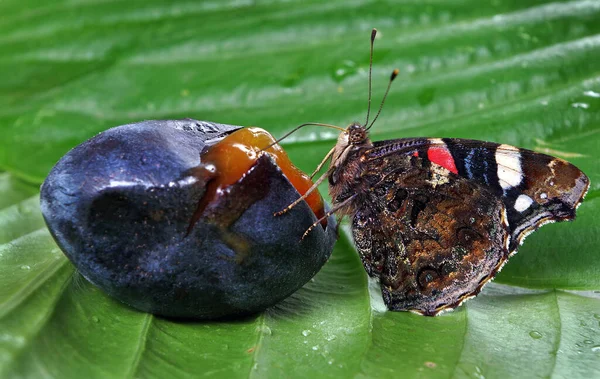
432,238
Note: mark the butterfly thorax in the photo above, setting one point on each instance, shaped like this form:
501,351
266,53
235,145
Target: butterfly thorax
346,166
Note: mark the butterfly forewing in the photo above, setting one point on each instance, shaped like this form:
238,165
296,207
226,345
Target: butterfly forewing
535,188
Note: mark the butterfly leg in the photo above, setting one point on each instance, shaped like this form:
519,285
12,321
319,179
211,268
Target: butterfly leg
323,162
332,211
298,200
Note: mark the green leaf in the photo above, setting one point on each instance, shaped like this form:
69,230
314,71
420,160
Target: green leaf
522,73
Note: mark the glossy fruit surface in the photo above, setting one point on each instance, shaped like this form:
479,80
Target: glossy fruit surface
121,205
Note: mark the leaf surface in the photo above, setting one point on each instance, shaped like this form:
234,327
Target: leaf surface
517,72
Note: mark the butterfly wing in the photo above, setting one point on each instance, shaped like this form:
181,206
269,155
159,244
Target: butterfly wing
535,188
441,217
433,241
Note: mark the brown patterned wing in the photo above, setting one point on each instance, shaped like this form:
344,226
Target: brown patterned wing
433,239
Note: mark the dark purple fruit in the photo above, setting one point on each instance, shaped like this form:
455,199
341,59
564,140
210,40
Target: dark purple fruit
134,210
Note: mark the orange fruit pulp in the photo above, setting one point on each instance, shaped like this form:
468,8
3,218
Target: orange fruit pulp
233,156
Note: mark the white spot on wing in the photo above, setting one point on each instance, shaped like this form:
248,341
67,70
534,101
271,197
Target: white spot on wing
522,203
505,224
508,160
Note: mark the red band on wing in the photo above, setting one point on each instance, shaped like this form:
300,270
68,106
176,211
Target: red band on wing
442,157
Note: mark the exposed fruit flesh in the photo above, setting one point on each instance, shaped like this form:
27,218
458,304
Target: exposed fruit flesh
233,156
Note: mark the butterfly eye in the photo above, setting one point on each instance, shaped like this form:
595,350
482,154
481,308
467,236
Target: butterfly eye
333,177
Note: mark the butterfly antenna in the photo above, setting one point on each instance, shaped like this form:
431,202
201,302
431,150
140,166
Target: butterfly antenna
300,127
373,34
392,77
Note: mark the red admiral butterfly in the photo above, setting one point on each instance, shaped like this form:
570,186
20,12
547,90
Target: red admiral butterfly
435,219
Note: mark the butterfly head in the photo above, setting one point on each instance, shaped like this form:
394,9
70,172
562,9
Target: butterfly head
357,134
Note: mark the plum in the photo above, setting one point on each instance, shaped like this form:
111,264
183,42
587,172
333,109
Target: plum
149,213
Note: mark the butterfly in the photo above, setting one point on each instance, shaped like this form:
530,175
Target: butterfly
435,219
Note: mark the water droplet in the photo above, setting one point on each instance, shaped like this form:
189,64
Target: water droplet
591,94
23,209
535,335
478,373
580,105
330,362
95,319
315,348
330,337
306,333
588,342
25,267
264,330
596,349
343,70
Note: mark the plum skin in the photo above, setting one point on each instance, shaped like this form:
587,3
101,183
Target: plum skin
119,206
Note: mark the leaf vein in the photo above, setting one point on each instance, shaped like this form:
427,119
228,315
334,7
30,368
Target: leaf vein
142,342
558,335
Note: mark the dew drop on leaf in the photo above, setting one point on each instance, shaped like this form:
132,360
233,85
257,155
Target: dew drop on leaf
535,335
592,94
264,330
343,70
580,105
